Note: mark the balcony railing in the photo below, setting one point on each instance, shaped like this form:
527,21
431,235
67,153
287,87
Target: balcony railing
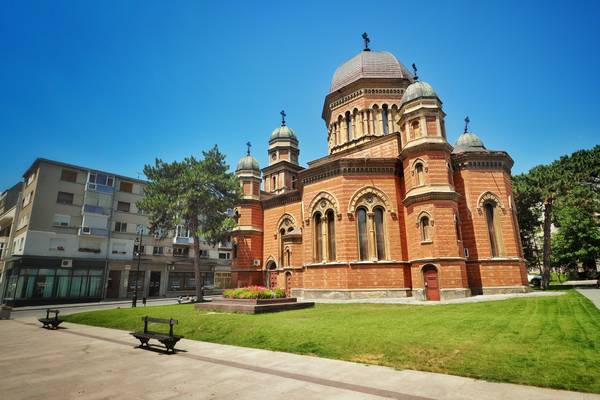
91,209
183,240
97,232
96,187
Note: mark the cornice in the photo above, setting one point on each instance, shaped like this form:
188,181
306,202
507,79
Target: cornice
374,141
425,144
430,196
347,166
281,165
482,160
282,199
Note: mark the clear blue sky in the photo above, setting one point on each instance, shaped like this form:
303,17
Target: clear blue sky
113,84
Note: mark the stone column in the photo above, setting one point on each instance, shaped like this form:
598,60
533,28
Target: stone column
390,120
371,237
325,236
367,119
423,123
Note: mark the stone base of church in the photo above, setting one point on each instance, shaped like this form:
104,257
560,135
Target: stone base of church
501,289
445,294
350,294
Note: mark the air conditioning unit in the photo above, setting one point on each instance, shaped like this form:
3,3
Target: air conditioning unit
66,263
91,186
86,230
257,262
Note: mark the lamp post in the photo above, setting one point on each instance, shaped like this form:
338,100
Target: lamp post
138,240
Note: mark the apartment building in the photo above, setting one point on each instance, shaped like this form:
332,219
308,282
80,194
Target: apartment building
74,235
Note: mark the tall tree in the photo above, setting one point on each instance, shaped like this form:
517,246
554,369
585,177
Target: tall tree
543,186
193,193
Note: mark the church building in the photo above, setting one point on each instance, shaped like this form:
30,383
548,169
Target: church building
392,211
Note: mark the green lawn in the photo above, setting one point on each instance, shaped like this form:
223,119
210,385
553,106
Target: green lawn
546,341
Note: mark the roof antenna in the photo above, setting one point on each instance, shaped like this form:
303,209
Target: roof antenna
249,145
414,67
283,115
366,39
467,120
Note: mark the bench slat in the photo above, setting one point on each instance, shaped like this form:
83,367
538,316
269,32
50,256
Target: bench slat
160,320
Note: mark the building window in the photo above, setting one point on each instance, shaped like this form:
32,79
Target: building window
274,183
120,226
330,235
158,250
419,174
123,206
425,228
30,179
1,249
126,187
379,234
57,244
415,129
491,225
182,281
318,237
137,249
384,119
349,126
68,176
182,251
224,256
294,182
363,244
64,198
101,179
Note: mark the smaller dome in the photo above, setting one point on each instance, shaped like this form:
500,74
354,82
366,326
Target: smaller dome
468,141
248,163
416,90
283,132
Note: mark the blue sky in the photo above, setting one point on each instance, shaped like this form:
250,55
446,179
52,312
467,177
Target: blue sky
113,84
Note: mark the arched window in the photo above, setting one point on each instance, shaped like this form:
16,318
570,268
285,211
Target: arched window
419,174
491,225
281,250
348,121
415,129
331,235
318,237
294,182
363,246
287,259
379,234
384,119
425,228
274,183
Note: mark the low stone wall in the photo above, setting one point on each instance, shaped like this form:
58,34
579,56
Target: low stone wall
253,306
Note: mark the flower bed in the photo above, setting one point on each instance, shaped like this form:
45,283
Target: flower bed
254,292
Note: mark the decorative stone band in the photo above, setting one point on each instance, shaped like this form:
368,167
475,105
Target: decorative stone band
348,294
483,160
392,92
373,142
281,166
380,166
430,196
285,198
246,228
429,143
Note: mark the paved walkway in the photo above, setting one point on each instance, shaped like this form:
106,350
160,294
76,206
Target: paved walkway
82,362
413,301
591,293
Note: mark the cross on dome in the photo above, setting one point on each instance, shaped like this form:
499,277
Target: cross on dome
249,145
283,115
366,39
467,120
414,67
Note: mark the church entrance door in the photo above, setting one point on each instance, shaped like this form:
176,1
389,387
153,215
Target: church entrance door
432,288
272,275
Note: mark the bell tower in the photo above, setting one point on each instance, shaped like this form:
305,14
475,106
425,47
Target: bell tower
281,175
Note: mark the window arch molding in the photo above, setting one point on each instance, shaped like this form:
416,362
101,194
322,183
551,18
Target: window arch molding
286,221
489,197
413,165
269,262
424,214
425,223
323,202
369,197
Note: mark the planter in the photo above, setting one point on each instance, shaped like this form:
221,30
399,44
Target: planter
253,306
5,311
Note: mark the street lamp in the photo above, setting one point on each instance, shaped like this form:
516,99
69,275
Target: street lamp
138,240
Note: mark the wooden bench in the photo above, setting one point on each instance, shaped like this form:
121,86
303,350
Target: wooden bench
168,340
51,322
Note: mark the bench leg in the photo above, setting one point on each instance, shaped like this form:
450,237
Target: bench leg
143,342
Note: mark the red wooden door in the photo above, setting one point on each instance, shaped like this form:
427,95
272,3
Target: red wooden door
432,288
272,279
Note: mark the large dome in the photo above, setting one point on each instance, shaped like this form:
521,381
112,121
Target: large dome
368,64
248,163
283,132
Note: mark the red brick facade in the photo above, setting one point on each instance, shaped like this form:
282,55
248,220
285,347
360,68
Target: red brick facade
391,198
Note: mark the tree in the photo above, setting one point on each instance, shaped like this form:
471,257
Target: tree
538,190
195,194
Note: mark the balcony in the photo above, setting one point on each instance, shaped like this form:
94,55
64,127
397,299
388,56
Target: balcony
91,209
93,232
96,187
183,240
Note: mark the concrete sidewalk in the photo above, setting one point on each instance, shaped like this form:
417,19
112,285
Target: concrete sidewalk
81,362
591,293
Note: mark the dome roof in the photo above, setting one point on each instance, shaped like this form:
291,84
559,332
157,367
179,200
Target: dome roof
368,64
283,132
416,90
248,163
468,141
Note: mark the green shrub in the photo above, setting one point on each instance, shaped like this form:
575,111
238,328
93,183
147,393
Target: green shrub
254,292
